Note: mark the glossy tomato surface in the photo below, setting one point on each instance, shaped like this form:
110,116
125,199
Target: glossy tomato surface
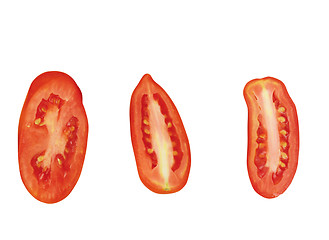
273,136
159,139
52,137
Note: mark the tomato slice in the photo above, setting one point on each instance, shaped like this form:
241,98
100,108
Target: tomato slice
159,139
273,136
52,137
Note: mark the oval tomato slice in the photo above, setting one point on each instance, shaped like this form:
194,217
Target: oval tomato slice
159,139
52,137
273,136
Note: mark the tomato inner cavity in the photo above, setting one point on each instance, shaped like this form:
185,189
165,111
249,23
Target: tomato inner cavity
61,142
272,137
159,135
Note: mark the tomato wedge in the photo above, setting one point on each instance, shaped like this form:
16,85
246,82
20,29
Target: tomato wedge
273,136
159,139
52,137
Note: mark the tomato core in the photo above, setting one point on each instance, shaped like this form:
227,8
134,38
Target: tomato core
61,141
163,147
272,150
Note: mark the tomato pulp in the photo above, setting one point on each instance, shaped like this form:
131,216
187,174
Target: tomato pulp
52,137
159,139
273,136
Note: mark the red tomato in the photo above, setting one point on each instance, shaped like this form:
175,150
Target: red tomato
273,136
159,139
52,137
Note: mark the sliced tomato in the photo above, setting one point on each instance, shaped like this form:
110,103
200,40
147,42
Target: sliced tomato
52,137
159,139
273,136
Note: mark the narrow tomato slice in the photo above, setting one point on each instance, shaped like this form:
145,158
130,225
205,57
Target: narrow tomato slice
273,136
159,139
52,137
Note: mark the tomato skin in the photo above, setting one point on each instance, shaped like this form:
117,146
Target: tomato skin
34,137
266,98
151,175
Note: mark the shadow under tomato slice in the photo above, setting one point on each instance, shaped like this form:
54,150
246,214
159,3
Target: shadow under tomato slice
159,139
273,136
52,137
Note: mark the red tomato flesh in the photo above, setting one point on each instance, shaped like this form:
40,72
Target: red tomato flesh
159,139
273,136
52,137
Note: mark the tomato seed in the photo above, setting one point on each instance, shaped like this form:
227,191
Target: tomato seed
281,119
282,164
261,145
37,121
283,144
283,132
40,158
150,150
284,155
281,109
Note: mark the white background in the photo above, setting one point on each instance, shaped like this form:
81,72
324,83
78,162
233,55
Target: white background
202,53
